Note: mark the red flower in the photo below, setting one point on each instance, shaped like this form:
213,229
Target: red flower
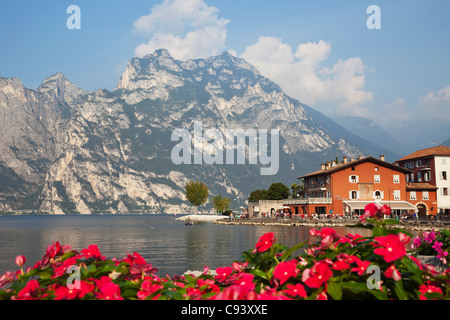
149,288
91,252
392,247
428,288
340,265
32,291
235,292
107,289
362,266
296,290
317,275
265,242
285,270
245,280
393,273
64,293
61,268
223,273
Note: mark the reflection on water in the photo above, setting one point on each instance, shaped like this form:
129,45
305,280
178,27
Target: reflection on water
168,244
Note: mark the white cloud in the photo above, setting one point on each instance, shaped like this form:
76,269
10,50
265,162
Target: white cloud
187,28
435,105
301,74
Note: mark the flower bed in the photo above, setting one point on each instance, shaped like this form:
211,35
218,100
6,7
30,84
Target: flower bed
330,267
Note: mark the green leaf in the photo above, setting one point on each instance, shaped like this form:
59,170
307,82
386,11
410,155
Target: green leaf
355,287
360,225
379,232
68,255
390,221
291,250
335,290
401,294
259,273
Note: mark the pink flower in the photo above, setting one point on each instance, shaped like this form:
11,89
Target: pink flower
285,270
65,293
265,242
20,261
393,273
392,247
148,288
246,281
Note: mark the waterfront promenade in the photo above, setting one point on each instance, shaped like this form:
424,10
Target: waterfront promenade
413,225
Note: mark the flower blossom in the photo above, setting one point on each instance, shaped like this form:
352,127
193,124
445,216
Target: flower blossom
285,270
391,247
265,242
317,275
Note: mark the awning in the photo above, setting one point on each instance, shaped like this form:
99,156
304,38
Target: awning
398,205
357,204
394,205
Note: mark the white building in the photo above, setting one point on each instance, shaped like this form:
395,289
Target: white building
431,166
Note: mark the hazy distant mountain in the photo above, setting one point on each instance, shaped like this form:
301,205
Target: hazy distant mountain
446,143
369,130
64,150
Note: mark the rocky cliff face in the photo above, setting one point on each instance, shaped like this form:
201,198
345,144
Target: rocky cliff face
66,150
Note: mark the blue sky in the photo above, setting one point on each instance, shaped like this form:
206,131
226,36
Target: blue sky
320,52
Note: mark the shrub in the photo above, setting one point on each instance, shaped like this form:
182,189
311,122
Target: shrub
330,266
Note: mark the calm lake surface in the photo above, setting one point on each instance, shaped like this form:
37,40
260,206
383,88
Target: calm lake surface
168,244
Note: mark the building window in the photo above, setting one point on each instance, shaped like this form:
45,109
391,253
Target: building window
353,179
396,194
354,195
412,178
377,195
376,169
443,175
443,161
412,195
396,178
376,178
425,195
427,176
419,176
353,168
407,165
445,191
418,163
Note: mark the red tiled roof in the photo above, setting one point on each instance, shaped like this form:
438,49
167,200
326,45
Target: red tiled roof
420,186
341,166
434,151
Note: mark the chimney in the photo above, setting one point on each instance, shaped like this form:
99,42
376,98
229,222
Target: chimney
323,166
345,160
360,157
382,157
333,163
327,165
351,159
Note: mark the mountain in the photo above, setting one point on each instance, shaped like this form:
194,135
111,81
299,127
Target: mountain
446,143
367,129
67,150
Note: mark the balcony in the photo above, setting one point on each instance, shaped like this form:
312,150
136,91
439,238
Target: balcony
307,201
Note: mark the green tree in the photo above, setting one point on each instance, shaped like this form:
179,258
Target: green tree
196,192
220,204
258,195
278,191
296,188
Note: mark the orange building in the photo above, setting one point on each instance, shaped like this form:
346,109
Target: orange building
346,187
424,197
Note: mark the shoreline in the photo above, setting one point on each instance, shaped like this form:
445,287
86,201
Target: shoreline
407,225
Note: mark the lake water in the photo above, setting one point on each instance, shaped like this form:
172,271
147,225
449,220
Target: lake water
168,244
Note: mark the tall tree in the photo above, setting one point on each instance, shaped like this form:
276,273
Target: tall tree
220,204
278,191
196,192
